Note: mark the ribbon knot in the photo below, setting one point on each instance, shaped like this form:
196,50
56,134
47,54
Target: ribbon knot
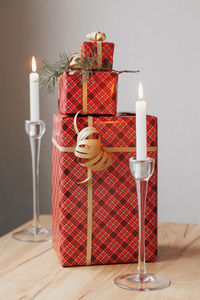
96,36
77,62
89,151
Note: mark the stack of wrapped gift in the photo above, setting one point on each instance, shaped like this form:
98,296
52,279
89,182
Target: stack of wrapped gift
95,212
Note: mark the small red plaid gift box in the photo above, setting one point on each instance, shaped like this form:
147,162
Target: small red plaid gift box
101,51
96,222
96,95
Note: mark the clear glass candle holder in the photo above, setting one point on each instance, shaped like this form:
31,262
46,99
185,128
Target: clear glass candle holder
36,233
141,281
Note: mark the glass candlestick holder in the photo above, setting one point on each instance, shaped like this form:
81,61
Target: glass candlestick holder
141,281
36,233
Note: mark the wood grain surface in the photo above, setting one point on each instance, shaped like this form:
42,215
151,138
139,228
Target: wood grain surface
32,271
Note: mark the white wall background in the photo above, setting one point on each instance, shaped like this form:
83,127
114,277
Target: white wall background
161,38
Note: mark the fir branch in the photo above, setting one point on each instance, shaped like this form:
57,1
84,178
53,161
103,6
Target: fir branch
127,71
53,71
119,71
76,64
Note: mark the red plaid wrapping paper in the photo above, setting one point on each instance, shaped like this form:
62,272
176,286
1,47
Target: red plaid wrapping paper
101,93
90,48
115,212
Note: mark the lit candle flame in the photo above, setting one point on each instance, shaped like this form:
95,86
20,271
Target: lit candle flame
140,91
34,66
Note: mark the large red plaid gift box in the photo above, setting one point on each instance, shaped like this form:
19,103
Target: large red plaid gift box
96,222
101,51
96,95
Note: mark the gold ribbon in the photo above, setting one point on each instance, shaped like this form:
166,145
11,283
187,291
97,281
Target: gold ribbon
108,149
97,37
89,176
84,97
99,54
90,206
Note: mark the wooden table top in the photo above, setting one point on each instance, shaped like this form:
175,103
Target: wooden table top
32,271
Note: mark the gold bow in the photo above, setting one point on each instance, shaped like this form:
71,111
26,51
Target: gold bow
77,62
96,36
89,151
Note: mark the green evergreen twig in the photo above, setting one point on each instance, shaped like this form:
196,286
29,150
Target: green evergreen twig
53,71
84,65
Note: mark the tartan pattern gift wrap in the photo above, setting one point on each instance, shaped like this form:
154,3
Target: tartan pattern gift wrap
96,95
96,222
101,51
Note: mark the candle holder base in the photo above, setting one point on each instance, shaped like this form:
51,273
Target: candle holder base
33,235
141,282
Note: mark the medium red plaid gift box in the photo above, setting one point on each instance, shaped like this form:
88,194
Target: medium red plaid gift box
97,222
96,95
101,51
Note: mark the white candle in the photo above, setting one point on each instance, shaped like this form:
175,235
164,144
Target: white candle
34,93
141,131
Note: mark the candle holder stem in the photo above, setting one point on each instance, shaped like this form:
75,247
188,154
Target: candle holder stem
141,191
35,131
35,153
141,281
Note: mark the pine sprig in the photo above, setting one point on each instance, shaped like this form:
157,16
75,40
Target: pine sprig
53,71
76,64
